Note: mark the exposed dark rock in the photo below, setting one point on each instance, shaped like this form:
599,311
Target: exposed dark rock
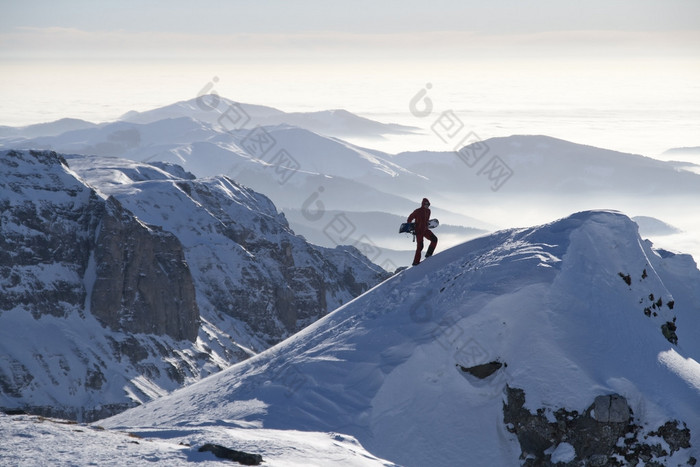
231,454
668,329
83,414
130,347
602,435
16,381
534,432
484,370
611,408
676,437
94,379
652,303
143,283
40,236
625,277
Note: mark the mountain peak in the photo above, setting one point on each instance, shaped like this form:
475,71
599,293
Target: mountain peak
216,110
559,310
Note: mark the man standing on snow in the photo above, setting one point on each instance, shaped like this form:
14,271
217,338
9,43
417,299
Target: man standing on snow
421,216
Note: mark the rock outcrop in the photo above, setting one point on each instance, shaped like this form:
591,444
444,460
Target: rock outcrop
605,434
47,221
62,244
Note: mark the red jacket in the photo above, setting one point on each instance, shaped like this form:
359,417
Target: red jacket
421,217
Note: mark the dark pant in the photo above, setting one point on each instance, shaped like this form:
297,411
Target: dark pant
419,246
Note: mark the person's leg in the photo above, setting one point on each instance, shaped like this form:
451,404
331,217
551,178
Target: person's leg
433,243
419,249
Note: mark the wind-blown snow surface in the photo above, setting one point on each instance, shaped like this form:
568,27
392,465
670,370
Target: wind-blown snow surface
564,305
61,443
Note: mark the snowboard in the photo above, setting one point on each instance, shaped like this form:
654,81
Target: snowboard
410,227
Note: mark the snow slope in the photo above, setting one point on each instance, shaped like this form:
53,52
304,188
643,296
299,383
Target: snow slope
30,441
575,309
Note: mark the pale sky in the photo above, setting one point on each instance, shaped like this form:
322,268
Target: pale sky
224,29
359,16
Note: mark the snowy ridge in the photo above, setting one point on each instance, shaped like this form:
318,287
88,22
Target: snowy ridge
552,303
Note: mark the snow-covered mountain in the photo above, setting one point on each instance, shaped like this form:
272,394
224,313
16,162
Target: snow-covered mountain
245,260
134,279
205,149
224,114
45,129
270,159
572,342
542,164
685,151
148,259
651,226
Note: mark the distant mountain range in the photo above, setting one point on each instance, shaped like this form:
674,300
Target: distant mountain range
299,161
690,150
224,114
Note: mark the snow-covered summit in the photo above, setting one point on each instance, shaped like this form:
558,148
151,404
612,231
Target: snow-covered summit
210,108
567,313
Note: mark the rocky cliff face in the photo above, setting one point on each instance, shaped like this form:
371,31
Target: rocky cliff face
47,221
119,283
142,282
61,241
